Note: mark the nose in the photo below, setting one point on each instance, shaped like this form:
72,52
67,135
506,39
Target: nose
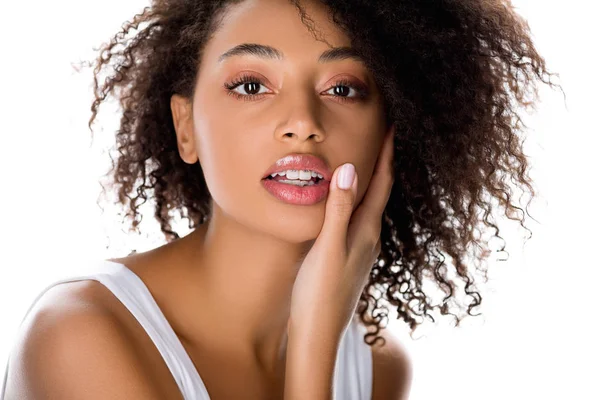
303,120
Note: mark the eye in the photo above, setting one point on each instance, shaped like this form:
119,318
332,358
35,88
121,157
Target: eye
252,85
246,82
343,93
344,89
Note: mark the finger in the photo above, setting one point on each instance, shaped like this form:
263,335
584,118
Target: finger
339,206
378,192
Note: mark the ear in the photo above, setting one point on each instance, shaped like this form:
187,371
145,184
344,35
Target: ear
181,110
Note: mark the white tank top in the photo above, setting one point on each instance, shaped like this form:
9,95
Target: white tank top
353,373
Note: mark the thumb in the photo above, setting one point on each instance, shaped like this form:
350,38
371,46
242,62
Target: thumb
340,204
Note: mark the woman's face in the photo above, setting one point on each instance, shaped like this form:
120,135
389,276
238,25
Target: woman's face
293,106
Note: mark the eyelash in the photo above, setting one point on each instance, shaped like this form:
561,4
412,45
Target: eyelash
248,78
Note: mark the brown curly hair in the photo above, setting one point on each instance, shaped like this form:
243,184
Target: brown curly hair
452,74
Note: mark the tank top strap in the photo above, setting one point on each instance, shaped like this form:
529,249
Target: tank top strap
134,294
353,374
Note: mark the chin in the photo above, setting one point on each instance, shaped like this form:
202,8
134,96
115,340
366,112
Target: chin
297,227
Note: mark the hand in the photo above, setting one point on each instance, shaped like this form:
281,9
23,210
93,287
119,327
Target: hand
336,269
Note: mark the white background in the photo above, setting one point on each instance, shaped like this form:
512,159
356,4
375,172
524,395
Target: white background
538,339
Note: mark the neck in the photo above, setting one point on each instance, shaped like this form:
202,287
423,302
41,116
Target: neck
241,281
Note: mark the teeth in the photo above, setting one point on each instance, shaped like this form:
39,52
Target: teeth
295,174
298,183
303,175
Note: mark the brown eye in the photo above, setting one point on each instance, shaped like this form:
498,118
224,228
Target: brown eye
253,85
346,90
251,88
343,91
247,83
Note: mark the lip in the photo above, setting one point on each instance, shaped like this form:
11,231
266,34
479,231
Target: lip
300,195
300,161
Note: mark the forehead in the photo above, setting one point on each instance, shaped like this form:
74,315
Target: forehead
278,30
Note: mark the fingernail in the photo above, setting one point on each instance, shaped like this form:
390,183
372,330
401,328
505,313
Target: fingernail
345,176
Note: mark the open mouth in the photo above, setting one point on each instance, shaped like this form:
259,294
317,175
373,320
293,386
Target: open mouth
297,191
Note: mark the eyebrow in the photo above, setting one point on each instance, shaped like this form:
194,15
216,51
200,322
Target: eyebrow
271,53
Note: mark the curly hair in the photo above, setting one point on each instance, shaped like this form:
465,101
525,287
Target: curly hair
452,75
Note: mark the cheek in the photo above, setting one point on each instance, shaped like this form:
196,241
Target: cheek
233,162
364,174
229,166
366,161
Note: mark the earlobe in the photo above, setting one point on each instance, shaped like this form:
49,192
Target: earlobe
181,111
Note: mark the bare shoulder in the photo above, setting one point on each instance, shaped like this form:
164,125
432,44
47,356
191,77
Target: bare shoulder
392,368
71,347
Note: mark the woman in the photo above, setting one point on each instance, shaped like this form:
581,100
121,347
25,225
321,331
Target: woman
326,155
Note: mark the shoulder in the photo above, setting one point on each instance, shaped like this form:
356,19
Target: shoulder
392,368
71,346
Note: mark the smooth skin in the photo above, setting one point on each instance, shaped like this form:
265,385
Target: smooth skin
230,288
